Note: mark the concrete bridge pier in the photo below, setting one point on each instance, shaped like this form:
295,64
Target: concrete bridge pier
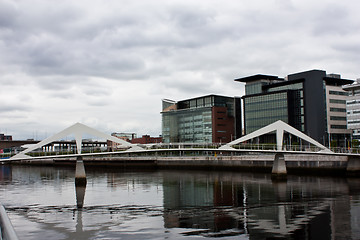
80,195
279,171
353,165
80,176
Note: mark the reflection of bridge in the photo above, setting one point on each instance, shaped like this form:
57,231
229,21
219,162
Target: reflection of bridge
204,203
314,155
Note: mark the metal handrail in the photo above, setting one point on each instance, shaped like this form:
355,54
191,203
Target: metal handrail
7,231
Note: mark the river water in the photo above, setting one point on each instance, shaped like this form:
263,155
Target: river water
42,203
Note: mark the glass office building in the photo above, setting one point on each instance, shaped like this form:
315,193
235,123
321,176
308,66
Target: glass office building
304,100
206,119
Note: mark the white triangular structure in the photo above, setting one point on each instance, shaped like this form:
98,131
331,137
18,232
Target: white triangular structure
279,127
78,130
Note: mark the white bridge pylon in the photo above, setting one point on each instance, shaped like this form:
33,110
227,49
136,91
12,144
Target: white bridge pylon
78,130
280,127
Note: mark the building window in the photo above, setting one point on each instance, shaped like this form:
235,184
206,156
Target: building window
338,126
354,122
353,102
337,101
338,93
337,110
337,118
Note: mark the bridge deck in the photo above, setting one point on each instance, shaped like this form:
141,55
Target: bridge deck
202,158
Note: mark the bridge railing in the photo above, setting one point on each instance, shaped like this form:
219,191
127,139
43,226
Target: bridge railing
242,146
345,150
297,148
7,231
273,147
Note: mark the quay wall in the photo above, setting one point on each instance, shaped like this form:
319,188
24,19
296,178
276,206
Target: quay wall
256,162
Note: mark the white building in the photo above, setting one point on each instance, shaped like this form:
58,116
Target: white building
353,108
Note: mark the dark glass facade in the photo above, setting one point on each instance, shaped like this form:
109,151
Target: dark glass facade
279,102
301,100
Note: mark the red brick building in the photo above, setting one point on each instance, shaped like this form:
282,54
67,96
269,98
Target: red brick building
145,139
4,137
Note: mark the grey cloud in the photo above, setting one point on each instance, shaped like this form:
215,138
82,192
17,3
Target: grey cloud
7,14
102,53
98,90
333,20
115,51
6,108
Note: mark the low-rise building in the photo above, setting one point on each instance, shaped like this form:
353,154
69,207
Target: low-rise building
146,139
111,146
206,119
4,137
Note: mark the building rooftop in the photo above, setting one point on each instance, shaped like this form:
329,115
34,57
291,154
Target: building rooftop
349,87
257,77
210,95
337,81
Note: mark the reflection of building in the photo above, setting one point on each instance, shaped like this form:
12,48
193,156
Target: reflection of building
353,108
312,102
261,209
204,119
5,173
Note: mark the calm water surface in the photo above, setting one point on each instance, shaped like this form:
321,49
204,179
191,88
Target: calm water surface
42,204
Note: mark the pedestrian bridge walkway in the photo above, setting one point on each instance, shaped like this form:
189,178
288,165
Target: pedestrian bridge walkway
78,130
311,155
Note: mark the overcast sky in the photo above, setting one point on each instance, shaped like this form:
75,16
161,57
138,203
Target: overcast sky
108,64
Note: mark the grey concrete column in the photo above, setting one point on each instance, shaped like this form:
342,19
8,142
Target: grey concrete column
353,165
279,171
80,194
80,176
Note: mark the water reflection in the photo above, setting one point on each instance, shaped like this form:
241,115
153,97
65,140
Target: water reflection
302,207
178,204
5,173
80,195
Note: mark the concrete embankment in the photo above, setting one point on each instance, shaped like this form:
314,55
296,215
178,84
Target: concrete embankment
316,163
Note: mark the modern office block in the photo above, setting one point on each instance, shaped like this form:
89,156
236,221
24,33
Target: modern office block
353,108
311,101
207,119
